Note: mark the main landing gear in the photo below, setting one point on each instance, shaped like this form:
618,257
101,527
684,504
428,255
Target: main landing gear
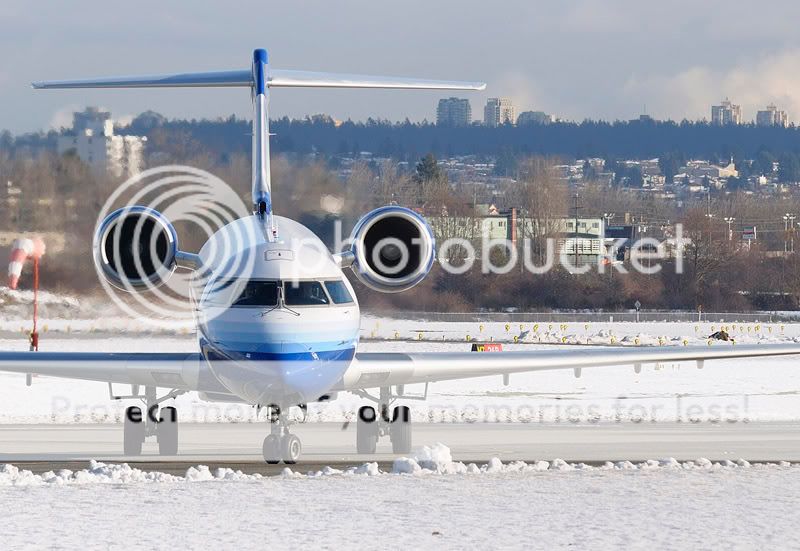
371,425
154,421
280,444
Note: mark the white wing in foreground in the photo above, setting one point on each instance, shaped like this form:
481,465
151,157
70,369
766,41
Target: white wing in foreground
372,370
168,370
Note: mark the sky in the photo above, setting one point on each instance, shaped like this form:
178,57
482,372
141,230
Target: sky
575,59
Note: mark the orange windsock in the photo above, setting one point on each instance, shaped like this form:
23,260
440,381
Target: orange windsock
21,250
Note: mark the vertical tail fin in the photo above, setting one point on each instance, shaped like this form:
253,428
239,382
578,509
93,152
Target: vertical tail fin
261,186
259,79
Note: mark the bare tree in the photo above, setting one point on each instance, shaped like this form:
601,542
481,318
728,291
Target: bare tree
543,201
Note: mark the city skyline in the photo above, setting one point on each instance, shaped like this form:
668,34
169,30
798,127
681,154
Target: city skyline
537,58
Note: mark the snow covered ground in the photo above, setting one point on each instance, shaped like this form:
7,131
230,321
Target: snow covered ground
425,502
727,390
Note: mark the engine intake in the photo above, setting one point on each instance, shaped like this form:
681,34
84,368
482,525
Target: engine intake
135,247
393,249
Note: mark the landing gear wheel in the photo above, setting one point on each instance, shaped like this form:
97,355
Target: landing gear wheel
167,431
291,449
400,430
366,430
271,449
133,431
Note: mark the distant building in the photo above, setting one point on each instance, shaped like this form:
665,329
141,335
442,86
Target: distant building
534,117
453,112
644,118
771,116
726,113
93,140
490,223
498,111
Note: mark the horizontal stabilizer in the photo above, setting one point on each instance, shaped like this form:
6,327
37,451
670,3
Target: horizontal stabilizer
284,78
276,78
217,78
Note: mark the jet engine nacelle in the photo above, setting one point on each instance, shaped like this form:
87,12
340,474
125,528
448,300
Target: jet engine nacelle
392,249
135,248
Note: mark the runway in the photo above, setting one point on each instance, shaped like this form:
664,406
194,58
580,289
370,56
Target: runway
49,447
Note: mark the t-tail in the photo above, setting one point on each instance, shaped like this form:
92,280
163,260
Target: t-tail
260,78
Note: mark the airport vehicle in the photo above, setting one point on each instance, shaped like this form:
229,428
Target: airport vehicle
284,331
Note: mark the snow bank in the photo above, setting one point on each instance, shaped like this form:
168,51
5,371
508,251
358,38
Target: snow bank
434,460
103,473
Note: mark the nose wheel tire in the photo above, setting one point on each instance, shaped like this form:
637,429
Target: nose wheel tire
271,449
286,448
291,449
133,431
366,430
167,431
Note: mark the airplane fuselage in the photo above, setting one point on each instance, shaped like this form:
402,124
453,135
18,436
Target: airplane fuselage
278,321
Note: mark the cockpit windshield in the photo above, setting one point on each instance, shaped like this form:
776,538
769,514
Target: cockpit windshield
338,292
265,293
304,293
241,292
258,293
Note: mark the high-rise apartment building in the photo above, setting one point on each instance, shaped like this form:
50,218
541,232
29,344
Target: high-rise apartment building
92,138
453,112
498,111
772,116
726,113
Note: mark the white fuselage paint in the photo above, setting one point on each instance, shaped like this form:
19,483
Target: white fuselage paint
283,355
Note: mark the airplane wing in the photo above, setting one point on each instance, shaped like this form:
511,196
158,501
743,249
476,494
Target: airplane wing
168,370
371,370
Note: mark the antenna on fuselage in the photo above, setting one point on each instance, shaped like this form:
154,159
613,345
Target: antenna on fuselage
260,78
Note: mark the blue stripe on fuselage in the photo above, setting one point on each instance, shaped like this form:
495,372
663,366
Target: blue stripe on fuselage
291,353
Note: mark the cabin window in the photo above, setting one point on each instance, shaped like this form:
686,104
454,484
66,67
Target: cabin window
304,293
338,292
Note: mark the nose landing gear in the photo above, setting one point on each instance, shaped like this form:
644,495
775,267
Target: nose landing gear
280,444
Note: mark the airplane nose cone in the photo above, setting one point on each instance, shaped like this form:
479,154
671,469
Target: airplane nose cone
308,380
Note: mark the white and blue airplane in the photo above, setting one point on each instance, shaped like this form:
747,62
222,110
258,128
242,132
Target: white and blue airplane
285,331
